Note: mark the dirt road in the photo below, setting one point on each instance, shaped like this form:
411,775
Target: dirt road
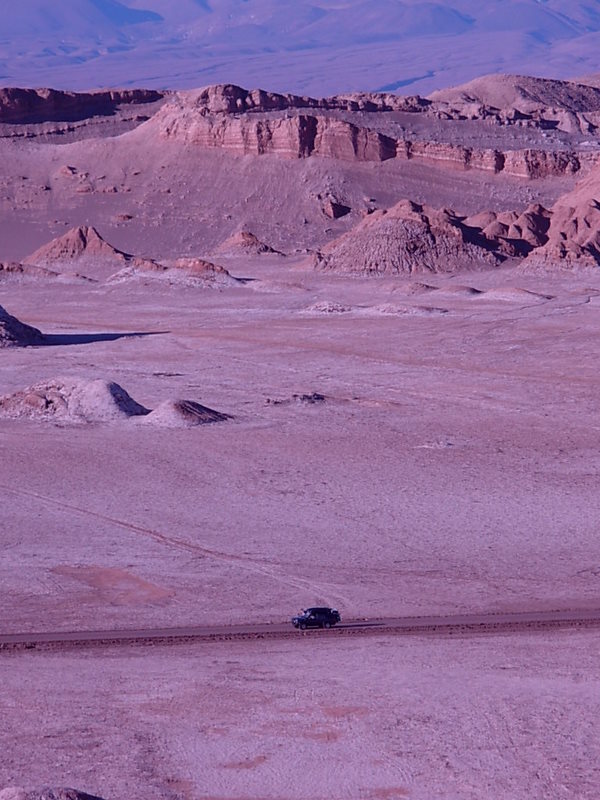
437,625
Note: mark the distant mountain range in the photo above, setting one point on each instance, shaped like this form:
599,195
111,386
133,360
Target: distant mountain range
303,46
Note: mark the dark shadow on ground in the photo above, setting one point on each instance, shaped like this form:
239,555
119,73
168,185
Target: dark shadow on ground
63,339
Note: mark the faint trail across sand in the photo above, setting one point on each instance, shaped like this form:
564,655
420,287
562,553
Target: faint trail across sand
257,566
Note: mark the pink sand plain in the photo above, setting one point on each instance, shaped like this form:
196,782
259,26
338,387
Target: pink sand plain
378,719
452,467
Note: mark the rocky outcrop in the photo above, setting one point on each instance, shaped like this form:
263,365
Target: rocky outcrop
510,233
412,238
298,136
409,238
231,99
14,333
522,93
573,234
526,163
259,123
21,106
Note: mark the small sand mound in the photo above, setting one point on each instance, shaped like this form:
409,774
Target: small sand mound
245,242
326,307
414,287
76,401
513,294
183,414
461,291
14,333
78,243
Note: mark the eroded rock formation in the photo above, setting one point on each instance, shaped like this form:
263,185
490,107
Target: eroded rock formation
20,106
408,238
258,123
14,333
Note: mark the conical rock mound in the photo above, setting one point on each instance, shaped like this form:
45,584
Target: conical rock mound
408,238
14,333
246,243
68,400
183,414
78,243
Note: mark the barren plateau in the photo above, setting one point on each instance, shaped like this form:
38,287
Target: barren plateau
259,352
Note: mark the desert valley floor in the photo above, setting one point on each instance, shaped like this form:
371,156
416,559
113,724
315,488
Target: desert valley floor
391,444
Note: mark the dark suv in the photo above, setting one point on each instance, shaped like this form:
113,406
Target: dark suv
316,618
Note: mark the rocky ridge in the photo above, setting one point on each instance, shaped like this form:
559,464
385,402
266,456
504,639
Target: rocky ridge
22,106
256,122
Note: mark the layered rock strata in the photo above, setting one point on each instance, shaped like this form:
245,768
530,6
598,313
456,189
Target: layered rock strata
30,106
259,123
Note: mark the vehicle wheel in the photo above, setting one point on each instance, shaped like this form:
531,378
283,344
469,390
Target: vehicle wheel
327,625
302,626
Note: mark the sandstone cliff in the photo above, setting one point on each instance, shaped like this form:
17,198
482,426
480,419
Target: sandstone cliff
19,106
259,123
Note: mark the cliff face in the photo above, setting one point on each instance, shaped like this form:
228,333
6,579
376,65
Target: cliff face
299,136
21,106
259,123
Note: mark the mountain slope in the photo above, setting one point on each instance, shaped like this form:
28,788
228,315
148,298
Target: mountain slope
316,46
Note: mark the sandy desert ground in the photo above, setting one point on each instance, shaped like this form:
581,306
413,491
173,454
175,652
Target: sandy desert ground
397,444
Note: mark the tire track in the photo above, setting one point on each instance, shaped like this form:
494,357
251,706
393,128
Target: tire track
247,563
